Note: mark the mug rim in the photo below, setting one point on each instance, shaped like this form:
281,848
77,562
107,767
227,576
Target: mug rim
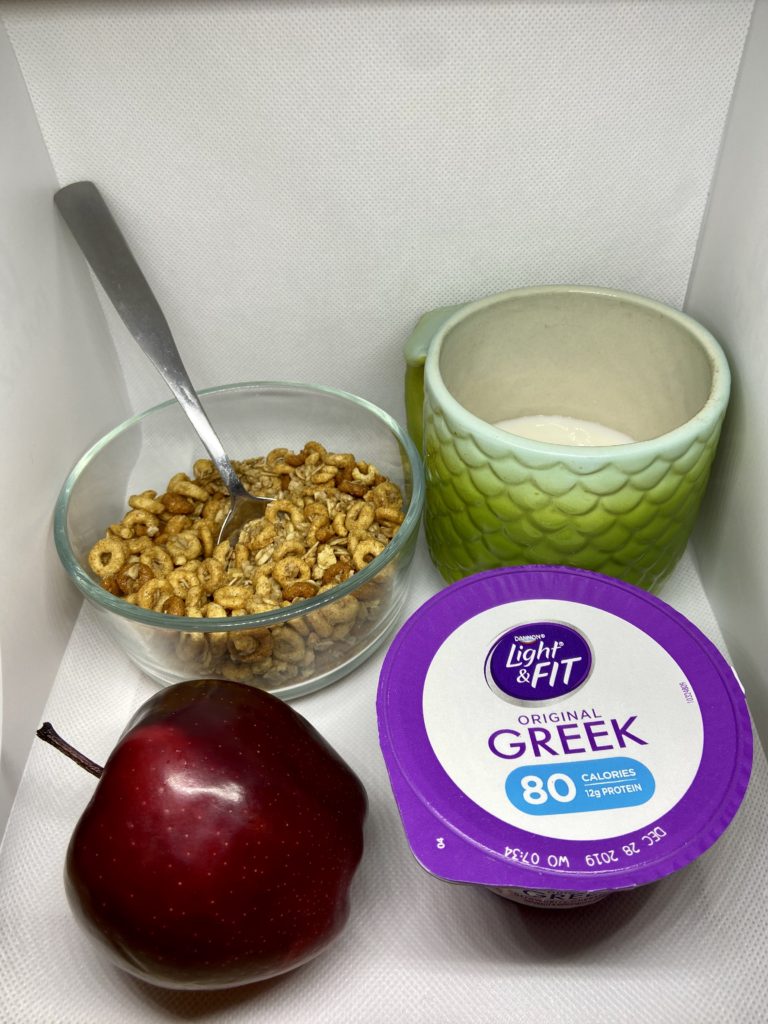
703,421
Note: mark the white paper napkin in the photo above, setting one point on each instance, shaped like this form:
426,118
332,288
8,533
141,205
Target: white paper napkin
687,950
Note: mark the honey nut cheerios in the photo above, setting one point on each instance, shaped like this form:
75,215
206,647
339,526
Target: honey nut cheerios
331,515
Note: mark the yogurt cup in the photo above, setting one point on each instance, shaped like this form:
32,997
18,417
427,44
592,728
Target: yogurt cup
556,735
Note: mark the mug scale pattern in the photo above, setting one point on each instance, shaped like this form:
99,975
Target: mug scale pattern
485,510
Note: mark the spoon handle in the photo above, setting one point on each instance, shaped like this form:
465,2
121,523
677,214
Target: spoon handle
106,250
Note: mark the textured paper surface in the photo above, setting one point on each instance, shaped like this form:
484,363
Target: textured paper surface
687,950
301,180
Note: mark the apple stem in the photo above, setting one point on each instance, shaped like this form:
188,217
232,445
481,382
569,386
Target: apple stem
48,733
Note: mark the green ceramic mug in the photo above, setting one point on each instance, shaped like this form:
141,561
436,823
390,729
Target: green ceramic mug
588,354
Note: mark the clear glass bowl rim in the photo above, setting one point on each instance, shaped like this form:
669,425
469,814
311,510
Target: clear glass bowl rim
159,620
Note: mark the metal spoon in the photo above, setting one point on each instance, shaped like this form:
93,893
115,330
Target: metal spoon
103,245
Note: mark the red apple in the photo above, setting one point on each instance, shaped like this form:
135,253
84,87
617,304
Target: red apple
220,842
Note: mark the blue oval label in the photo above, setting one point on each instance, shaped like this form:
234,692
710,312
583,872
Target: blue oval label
538,661
580,786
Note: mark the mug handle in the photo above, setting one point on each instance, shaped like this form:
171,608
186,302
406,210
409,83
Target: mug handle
416,348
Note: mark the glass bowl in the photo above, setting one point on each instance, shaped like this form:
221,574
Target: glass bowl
291,649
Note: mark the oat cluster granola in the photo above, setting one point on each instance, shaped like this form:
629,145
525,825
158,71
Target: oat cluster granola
331,515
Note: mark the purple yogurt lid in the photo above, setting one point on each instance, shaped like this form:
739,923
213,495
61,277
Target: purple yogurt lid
551,728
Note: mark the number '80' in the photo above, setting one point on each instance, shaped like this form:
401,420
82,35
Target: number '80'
557,786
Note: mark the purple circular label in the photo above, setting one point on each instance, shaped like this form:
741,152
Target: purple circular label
538,661
456,838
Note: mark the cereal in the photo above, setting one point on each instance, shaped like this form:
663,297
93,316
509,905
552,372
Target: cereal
107,556
133,577
210,575
365,551
331,515
153,595
174,606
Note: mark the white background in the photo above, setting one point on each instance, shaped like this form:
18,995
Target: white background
300,181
